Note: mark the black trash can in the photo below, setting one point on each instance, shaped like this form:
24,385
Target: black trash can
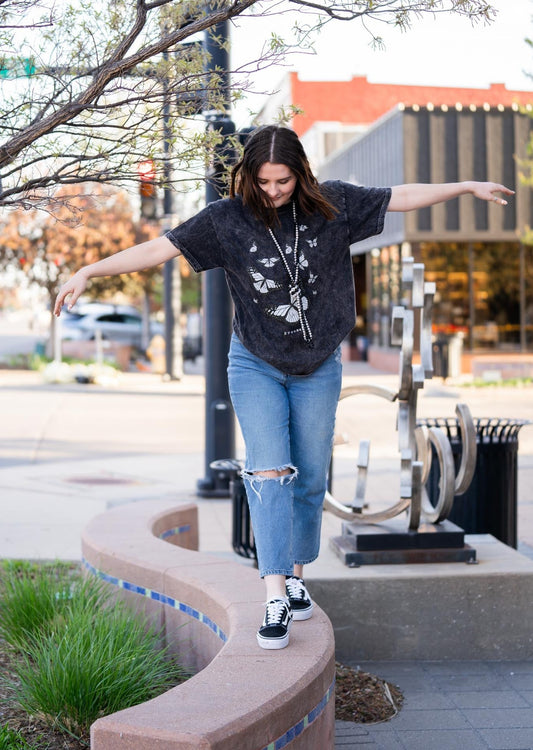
243,536
489,506
440,349
447,355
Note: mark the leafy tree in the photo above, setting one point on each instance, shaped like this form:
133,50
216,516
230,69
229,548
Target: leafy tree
103,78
47,248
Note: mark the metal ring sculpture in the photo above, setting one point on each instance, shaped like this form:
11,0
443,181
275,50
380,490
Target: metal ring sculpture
415,443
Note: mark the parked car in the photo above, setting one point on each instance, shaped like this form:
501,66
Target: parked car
122,323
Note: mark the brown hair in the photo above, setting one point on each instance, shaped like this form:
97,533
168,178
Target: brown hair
277,145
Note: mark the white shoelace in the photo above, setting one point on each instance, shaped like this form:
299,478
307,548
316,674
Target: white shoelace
275,610
296,588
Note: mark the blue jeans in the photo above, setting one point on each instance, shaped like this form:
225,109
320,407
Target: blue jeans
287,422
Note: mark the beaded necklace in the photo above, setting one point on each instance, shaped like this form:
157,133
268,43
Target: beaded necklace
295,290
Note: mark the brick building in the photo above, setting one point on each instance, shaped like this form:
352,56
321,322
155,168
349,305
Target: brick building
334,112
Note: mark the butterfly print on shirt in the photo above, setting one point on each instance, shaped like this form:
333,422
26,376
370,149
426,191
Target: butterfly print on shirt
303,262
261,283
269,262
288,312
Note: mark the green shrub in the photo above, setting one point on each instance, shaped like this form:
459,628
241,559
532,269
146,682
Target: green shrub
39,361
17,361
98,663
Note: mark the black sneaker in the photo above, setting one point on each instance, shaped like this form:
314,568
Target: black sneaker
274,632
299,599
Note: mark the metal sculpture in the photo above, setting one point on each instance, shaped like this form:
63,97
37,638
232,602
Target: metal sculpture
414,442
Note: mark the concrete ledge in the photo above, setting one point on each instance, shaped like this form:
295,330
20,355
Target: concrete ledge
503,366
436,611
209,610
384,358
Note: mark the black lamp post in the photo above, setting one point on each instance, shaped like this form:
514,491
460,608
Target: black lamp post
218,310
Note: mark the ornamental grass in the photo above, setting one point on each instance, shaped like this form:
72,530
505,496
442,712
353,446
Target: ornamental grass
35,599
11,740
76,658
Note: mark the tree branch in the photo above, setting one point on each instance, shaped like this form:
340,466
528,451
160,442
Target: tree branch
400,12
85,121
114,68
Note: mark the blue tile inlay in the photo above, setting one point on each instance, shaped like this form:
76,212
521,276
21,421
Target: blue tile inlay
298,728
158,597
132,587
176,530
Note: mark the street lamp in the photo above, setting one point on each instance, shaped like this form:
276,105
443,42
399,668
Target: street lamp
218,309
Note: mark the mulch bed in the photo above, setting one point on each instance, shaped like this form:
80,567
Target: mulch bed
363,698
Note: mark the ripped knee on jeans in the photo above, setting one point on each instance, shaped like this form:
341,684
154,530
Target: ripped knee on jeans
277,473
284,475
272,473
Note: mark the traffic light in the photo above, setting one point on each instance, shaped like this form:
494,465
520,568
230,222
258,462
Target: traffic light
147,189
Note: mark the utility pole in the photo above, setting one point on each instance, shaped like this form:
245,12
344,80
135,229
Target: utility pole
218,310
171,273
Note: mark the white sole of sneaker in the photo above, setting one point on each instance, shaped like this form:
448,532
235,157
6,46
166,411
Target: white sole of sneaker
303,614
273,645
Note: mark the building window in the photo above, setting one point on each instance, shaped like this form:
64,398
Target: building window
385,274
484,292
496,282
478,293
447,265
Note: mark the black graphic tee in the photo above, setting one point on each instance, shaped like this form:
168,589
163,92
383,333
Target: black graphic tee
292,327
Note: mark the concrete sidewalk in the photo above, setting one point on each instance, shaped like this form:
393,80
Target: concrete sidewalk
70,452
451,706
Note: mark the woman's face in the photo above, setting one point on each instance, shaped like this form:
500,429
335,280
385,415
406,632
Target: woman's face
277,181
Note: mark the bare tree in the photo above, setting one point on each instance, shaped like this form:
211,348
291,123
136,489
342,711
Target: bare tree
89,101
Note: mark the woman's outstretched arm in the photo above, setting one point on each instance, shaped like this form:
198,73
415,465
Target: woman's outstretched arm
409,197
135,258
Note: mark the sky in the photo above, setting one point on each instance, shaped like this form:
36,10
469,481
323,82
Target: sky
447,50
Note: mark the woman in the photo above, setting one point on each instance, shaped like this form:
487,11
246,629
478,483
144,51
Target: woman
284,243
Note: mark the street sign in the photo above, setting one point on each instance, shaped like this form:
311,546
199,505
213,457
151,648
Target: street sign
12,67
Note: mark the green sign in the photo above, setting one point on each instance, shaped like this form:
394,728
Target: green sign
11,67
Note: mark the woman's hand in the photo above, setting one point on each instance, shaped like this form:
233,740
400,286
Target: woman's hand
74,287
486,192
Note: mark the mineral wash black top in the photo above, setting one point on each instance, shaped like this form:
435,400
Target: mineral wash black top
291,309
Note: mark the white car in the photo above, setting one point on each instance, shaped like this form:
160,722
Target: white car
121,323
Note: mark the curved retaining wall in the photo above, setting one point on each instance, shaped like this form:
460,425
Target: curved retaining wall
241,697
